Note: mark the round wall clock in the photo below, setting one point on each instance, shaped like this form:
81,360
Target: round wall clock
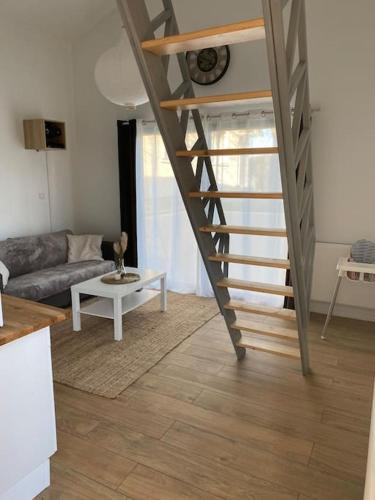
207,66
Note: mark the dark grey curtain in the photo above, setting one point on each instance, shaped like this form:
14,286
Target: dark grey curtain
126,134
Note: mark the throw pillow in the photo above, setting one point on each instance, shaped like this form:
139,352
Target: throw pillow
84,247
4,271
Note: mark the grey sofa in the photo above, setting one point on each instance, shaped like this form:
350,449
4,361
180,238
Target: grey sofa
39,269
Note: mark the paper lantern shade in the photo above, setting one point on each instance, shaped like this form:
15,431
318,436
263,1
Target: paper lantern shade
117,77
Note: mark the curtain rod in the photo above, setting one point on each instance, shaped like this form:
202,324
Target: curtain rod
261,112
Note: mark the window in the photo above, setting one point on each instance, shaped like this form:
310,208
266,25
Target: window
166,240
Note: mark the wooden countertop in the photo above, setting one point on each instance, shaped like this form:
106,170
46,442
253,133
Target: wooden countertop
22,317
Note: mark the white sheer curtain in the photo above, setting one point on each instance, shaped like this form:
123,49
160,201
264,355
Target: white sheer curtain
165,238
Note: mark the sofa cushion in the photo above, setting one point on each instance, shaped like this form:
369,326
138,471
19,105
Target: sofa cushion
82,247
51,281
32,253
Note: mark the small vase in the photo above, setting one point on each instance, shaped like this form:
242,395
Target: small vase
119,266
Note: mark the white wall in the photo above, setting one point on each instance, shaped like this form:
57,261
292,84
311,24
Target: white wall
248,65
342,75
96,189
341,48
36,82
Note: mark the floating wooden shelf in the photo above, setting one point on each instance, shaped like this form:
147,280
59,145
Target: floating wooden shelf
44,135
243,31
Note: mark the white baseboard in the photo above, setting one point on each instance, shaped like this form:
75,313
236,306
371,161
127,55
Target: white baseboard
344,311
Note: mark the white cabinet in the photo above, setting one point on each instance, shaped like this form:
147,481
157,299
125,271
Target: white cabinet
27,416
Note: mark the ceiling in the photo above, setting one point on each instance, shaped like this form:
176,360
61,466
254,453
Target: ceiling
66,19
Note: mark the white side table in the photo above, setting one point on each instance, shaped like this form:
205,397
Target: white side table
117,300
343,267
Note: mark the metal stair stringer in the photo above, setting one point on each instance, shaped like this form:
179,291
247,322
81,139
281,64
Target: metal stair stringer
153,70
289,78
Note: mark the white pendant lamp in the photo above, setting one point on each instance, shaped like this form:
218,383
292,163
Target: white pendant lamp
117,76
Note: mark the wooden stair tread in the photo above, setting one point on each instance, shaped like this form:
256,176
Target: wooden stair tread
274,312
255,231
248,260
236,194
243,31
253,97
269,347
254,286
192,153
264,329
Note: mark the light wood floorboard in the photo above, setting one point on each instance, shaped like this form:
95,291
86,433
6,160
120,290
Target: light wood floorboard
201,425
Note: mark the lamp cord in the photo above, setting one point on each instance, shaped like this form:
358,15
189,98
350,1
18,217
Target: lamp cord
48,193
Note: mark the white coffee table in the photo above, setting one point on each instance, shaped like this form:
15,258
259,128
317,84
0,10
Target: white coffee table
116,300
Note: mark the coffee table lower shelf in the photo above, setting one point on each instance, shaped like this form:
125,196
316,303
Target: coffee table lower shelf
104,308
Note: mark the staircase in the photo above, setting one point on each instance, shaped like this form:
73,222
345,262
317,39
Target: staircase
287,59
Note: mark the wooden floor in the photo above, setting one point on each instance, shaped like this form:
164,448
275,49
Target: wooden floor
200,425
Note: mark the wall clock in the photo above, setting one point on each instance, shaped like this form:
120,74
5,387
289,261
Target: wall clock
207,66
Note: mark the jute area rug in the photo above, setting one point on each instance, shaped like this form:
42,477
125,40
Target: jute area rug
90,360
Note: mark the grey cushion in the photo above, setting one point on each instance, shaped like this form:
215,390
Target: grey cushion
32,253
47,282
363,251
